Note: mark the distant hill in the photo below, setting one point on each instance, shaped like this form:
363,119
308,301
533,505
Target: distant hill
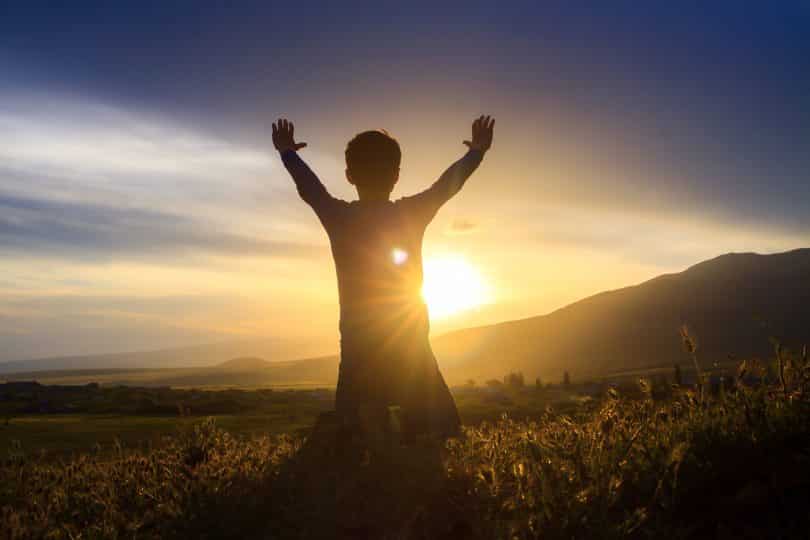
733,304
245,363
240,372
275,349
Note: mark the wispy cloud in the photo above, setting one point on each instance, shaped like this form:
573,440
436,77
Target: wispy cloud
462,226
81,180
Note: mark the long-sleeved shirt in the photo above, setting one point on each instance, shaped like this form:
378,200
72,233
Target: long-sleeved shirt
377,248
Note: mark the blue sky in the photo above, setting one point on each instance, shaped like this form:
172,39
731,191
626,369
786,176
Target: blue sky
142,207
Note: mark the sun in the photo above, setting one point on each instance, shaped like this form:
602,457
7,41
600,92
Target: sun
452,285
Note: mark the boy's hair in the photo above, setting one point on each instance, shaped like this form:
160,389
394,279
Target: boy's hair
373,157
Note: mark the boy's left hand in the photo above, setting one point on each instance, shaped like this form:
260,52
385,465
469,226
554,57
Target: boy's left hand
481,134
283,136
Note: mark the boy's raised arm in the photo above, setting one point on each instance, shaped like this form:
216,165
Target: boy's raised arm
453,179
309,187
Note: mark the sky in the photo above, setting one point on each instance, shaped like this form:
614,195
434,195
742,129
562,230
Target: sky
143,207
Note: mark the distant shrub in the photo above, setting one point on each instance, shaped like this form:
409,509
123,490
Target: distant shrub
677,375
514,380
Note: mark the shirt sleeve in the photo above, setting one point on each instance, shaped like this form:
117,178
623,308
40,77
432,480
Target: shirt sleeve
423,206
310,188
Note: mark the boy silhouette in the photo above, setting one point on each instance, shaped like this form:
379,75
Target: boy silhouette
385,354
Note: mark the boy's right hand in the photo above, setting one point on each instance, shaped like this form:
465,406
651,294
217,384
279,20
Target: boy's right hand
481,134
283,139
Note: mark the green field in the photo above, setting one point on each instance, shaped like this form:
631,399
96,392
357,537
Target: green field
41,418
55,420
65,433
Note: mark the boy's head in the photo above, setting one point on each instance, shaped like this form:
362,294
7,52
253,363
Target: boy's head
372,163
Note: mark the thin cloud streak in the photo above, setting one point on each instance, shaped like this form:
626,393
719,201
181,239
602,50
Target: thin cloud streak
93,232
462,226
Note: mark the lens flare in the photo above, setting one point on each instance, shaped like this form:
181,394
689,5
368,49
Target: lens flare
399,256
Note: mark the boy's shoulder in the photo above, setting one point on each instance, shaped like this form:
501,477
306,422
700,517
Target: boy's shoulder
370,211
402,206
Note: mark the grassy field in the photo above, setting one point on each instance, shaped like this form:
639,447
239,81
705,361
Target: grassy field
727,456
54,420
61,434
57,420
58,435
698,462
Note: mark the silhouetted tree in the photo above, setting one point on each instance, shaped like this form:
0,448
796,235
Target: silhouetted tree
678,375
494,383
566,379
470,383
661,389
538,384
514,380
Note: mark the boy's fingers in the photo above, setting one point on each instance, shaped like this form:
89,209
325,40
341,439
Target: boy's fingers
468,143
292,128
300,145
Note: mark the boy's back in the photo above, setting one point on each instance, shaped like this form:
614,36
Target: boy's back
377,247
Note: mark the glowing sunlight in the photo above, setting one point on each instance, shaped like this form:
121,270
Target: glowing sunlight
452,285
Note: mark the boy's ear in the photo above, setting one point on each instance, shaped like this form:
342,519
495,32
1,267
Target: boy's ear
349,177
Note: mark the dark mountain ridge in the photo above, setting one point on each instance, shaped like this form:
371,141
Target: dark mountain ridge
733,304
